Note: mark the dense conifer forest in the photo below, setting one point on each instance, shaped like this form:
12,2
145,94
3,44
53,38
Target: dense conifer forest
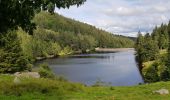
153,54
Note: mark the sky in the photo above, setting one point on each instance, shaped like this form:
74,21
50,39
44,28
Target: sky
123,17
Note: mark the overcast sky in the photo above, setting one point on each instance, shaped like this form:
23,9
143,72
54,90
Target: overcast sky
125,17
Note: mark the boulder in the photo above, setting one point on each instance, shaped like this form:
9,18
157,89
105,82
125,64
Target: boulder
27,74
162,92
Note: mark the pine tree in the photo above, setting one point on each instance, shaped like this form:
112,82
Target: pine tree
12,58
168,61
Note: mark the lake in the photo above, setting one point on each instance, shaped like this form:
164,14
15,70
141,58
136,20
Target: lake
116,69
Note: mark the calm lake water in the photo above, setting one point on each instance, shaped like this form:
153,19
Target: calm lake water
117,69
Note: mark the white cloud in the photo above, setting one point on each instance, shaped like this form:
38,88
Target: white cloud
125,17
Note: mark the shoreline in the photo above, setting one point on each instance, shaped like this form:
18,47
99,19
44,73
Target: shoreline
112,50
97,50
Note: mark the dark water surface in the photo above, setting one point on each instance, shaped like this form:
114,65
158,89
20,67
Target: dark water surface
117,69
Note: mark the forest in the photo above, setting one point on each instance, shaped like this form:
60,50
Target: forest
54,36
57,35
153,54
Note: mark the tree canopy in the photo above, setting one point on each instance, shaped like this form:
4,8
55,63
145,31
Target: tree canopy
19,13
154,50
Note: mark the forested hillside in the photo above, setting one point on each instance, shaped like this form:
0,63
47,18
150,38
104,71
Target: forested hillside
56,35
153,54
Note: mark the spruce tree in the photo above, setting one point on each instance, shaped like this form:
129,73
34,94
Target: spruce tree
12,58
168,61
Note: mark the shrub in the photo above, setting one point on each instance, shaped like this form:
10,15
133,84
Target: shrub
45,71
165,75
152,75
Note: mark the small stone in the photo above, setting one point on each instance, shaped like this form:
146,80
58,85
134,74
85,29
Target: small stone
162,92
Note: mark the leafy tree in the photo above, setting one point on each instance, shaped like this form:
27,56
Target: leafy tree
25,11
86,42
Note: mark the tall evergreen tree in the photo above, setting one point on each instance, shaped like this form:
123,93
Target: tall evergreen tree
168,61
12,58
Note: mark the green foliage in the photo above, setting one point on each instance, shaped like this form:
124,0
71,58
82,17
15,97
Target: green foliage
57,36
47,89
151,74
86,42
165,75
147,49
25,11
26,44
70,32
168,56
160,36
12,58
66,51
45,71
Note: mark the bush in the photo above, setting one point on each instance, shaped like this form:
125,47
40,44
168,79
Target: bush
152,75
45,71
165,75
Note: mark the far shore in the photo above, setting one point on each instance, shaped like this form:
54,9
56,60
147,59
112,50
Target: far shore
112,49
97,50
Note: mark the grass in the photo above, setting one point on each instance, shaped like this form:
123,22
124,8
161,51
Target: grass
46,89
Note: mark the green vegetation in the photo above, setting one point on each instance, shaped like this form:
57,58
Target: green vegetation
79,35
55,36
34,34
25,11
16,54
12,58
153,54
45,71
42,89
58,36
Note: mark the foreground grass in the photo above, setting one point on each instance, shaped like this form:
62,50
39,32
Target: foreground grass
46,89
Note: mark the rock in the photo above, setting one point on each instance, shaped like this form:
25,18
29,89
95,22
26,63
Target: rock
162,92
27,74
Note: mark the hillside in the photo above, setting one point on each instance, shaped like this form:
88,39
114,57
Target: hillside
57,35
43,89
75,28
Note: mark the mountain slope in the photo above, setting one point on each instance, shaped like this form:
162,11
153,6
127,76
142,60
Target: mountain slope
57,35
62,25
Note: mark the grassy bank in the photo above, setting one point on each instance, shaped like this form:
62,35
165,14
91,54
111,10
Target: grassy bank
46,89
